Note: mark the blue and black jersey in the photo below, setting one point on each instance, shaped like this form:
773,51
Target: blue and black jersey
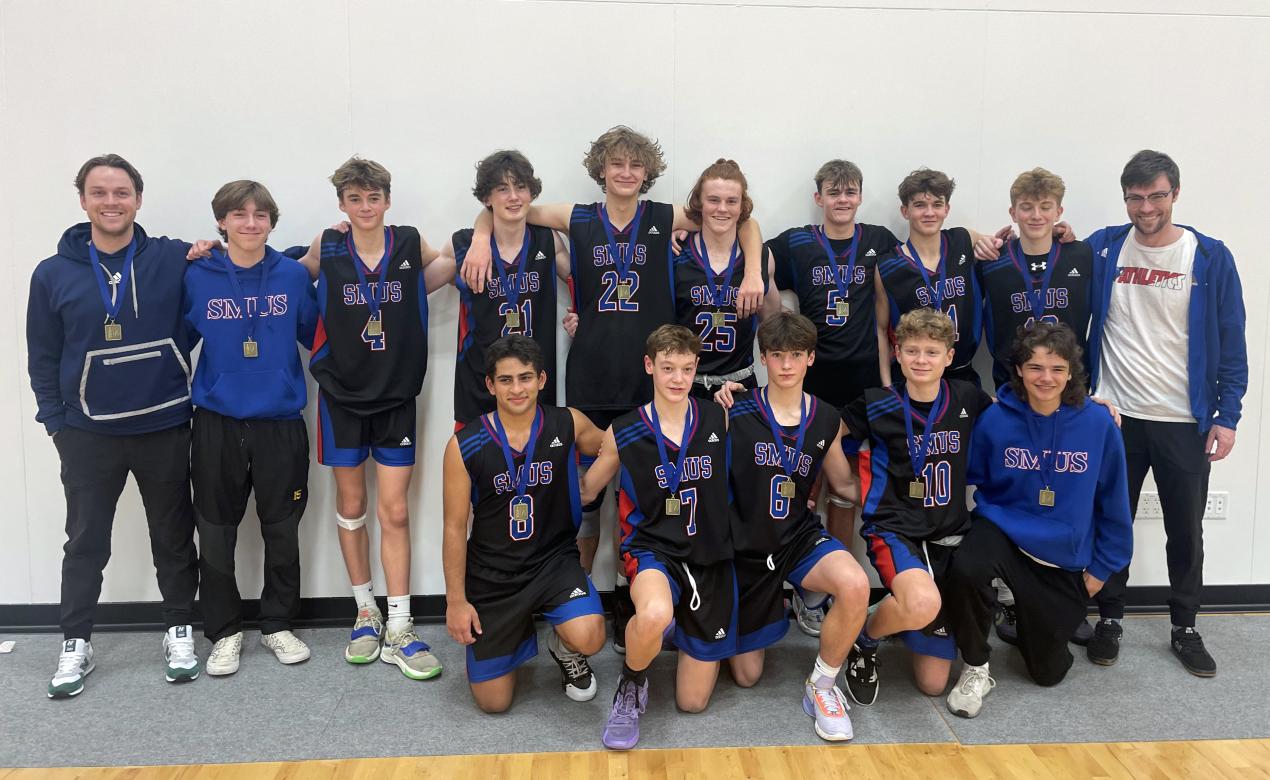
727,342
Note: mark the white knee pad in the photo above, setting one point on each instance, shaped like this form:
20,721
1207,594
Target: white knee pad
841,503
351,524
589,527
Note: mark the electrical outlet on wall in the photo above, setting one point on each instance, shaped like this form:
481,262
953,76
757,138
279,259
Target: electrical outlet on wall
1149,506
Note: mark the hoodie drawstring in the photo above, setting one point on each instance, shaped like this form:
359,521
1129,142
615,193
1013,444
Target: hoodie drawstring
695,601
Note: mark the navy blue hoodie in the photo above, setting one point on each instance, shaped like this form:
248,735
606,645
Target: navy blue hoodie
137,385
271,385
1089,527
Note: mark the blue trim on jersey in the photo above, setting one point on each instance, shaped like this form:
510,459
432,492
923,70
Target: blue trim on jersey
766,636
473,445
423,306
901,554
633,432
325,349
879,459
882,407
576,608
467,314
645,560
582,214
394,456
492,668
575,492
347,457
850,447
742,408
800,237
809,561
636,517
944,647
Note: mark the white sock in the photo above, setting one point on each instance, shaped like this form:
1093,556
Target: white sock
364,595
823,675
1005,596
399,614
620,578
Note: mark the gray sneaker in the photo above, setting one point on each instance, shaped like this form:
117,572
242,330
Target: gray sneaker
411,654
178,650
73,665
368,631
966,697
809,619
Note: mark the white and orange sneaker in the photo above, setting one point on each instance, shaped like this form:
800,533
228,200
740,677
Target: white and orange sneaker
824,701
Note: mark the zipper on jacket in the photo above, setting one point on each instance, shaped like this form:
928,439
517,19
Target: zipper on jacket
130,358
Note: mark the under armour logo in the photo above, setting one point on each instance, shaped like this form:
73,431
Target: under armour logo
1037,266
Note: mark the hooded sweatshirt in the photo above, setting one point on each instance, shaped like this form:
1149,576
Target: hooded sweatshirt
270,385
1089,527
138,384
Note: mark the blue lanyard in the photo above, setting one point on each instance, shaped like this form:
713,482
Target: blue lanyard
789,464
672,477
943,269
509,289
917,450
372,300
1033,428
112,307
521,480
249,315
716,290
623,268
1035,297
844,288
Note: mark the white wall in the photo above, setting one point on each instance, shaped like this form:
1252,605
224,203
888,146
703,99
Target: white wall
197,94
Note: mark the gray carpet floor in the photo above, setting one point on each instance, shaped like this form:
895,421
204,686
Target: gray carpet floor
326,708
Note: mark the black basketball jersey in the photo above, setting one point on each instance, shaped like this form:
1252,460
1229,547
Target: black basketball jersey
886,468
701,532
483,318
727,342
1015,281
363,368
499,538
615,316
906,289
767,519
803,266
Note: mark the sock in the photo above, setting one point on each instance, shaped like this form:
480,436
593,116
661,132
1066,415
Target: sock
823,675
865,641
364,595
1005,596
1180,629
633,676
399,618
620,580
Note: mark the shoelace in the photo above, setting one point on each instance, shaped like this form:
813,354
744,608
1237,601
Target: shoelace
408,642
181,650
975,680
831,701
366,618
860,664
1189,639
226,646
575,664
625,705
68,663
288,641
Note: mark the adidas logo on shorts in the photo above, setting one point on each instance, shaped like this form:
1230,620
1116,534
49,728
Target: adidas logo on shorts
963,414
941,631
720,634
404,264
405,441
962,261
556,442
540,256
653,231
871,253
714,438
577,593
820,445
1074,272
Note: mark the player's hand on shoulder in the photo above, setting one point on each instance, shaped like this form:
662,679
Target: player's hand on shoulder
989,247
201,249
1109,406
478,263
677,239
749,296
570,323
723,397
1064,233
462,622
342,226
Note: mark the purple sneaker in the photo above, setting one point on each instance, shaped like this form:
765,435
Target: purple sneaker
621,732
829,707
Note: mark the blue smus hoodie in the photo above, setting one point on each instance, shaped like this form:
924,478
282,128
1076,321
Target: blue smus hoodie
1089,527
1217,356
137,385
270,386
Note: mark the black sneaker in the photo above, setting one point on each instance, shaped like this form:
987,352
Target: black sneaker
623,610
862,674
1007,624
1189,649
575,673
1104,646
1084,633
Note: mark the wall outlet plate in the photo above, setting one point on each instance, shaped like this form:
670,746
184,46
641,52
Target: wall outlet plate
1149,506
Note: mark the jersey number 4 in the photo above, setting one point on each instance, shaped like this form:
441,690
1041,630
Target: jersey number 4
609,301
378,342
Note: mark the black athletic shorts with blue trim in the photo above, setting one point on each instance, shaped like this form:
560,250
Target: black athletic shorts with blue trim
705,602
891,554
505,605
761,586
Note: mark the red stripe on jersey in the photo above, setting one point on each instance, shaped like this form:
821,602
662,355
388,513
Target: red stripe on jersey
624,509
462,325
865,468
883,561
320,434
319,336
573,295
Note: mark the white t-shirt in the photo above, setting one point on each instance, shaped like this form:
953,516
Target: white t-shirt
1145,339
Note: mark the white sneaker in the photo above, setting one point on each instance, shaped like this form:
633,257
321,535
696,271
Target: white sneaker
178,649
809,619
224,656
73,665
286,646
966,697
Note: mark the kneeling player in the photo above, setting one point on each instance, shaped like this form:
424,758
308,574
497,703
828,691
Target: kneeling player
676,534
514,471
914,484
780,440
1051,517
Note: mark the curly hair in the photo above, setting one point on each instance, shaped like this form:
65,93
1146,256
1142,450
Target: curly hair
621,141
727,170
929,323
503,165
924,180
1060,340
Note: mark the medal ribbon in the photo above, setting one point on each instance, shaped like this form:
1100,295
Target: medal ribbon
623,268
789,464
372,300
917,450
672,477
521,480
1036,297
844,288
248,316
509,290
112,307
714,289
943,269
1034,428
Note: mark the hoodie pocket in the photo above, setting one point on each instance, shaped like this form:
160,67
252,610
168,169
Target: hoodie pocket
134,380
250,395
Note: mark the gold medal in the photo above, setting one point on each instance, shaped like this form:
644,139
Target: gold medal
624,291
842,308
520,511
513,319
250,349
374,327
114,331
717,318
672,507
786,489
1047,497
917,489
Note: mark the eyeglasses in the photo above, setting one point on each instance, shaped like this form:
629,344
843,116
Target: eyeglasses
1156,198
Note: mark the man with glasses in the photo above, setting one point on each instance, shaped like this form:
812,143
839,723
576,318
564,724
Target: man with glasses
1166,346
